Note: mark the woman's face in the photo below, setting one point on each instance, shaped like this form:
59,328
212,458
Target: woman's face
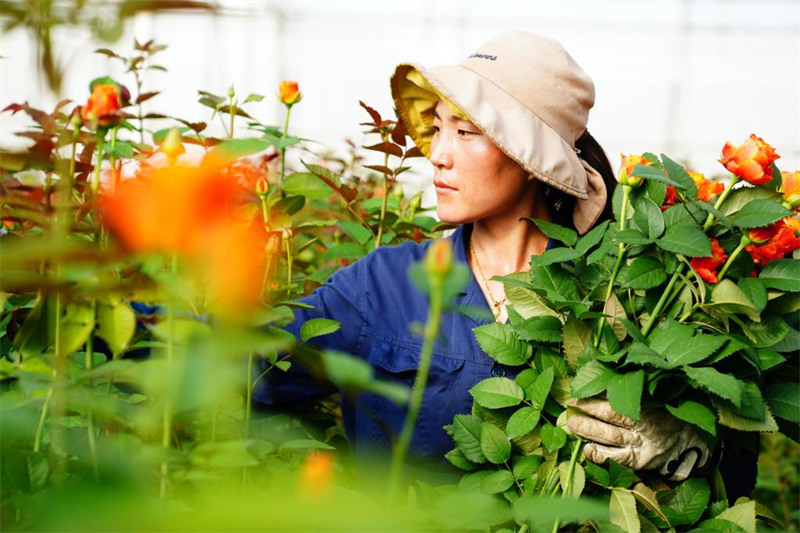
474,179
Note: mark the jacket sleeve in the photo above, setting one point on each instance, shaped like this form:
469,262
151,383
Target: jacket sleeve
340,299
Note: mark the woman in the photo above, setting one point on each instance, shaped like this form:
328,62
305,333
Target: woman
506,133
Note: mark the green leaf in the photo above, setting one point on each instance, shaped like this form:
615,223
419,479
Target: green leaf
759,213
538,391
719,525
495,393
727,296
554,255
645,272
117,323
742,514
553,437
525,466
671,337
305,444
236,148
76,326
688,502
723,385
781,274
621,476
622,508
754,290
648,218
743,196
730,418
501,344
317,327
641,354
769,332
694,350
353,374
586,242
752,405
497,482
653,173
306,184
784,399
578,479
522,422
354,230
524,301
467,436
458,460
576,335
625,393
120,149
592,378
345,250
697,414
597,473
474,480
557,283
647,497
554,231
687,240
539,328
540,509
495,444
526,379
632,236
677,173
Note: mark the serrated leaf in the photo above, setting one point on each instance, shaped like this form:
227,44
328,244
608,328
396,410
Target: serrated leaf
591,379
694,350
727,296
697,414
458,460
501,344
467,436
554,255
720,526
645,272
688,502
576,335
522,422
759,213
526,302
781,274
647,497
554,231
578,479
723,385
345,250
525,466
317,327
653,173
784,399
497,482
678,174
495,393
621,476
632,236
597,473
586,242
616,314
495,444
641,354
355,231
767,333
687,240
553,437
539,328
538,391
558,284
622,509
306,184
648,218
742,514
755,291
728,417
625,393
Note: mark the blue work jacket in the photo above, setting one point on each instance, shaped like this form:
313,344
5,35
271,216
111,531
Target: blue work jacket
376,305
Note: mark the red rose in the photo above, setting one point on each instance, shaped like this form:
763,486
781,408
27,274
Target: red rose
751,161
706,267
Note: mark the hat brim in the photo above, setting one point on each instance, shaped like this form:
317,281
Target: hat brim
516,130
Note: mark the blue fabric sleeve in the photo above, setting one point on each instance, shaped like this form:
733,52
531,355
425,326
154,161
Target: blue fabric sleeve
339,299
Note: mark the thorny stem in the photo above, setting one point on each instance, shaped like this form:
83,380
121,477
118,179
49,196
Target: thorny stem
420,382
626,194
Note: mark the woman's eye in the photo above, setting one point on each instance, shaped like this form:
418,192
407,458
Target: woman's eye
436,129
465,133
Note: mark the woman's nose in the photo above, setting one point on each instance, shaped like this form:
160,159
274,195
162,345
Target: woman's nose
441,154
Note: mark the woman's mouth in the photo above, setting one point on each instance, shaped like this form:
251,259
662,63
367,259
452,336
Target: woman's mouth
443,188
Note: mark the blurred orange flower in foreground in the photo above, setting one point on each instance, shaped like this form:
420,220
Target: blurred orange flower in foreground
629,162
103,105
751,161
196,213
775,241
790,187
316,474
288,92
706,267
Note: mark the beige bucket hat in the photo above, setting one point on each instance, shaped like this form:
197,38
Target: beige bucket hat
524,92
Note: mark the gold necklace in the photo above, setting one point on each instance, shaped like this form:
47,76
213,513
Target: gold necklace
496,305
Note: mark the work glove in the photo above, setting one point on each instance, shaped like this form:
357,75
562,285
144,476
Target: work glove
657,440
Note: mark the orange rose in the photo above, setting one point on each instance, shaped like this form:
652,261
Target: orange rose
775,241
629,162
288,93
706,267
669,198
751,161
790,187
316,474
438,259
706,189
103,105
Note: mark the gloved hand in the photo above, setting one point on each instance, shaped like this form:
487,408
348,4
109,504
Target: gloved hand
657,440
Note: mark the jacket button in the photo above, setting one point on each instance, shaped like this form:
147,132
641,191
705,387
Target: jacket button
498,372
